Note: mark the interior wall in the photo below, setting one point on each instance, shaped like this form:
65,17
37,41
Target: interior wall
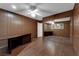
76,29
61,32
66,31
12,25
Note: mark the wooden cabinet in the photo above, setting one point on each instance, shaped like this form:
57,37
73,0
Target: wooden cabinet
17,41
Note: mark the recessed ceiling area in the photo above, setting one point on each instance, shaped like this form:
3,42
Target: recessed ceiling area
37,10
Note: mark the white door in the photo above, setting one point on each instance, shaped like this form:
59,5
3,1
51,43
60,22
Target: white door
39,29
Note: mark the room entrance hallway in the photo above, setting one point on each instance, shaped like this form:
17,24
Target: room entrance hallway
48,46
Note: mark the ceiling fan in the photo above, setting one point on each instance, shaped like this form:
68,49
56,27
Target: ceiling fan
33,10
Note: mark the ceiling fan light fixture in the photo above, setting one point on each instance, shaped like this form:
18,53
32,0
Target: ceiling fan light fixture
33,15
35,10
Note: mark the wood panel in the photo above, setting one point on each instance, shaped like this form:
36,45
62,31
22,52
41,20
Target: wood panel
66,31
3,26
12,25
62,32
76,29
71,28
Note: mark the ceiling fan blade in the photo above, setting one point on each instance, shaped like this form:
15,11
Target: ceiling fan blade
38,14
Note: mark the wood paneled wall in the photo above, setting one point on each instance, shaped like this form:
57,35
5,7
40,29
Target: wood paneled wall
76,29
66,31
62,32
12,25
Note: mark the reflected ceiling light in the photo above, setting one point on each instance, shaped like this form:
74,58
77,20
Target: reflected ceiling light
13,6
17,22
9,15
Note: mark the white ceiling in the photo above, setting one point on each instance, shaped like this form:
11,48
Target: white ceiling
43,9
